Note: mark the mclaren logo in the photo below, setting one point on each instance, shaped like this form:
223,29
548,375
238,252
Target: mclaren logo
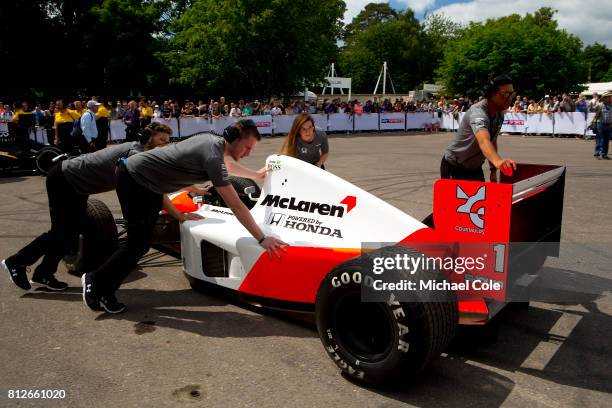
291,203
470,203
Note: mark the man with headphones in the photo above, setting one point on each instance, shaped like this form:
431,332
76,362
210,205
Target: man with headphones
69,184
143,179
476,138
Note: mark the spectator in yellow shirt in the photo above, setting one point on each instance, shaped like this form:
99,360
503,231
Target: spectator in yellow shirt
146,114
64,121
103,125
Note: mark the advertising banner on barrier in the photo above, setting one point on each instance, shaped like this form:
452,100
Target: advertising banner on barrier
4,130
570,123
320,120
392,121
514,122
339,122
589,119
366,121
539,123
282,123
419,120
192,126
447,122
263,122
117,129
218,124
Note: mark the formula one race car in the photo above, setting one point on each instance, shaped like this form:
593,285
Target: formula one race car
41,158
337,232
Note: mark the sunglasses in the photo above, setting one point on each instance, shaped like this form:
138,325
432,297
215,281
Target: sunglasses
507,95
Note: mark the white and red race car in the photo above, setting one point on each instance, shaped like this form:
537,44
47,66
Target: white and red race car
335,230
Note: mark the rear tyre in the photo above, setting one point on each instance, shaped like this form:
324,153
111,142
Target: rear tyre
97,242
381,343
44,158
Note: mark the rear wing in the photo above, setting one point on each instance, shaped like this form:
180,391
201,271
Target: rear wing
516,223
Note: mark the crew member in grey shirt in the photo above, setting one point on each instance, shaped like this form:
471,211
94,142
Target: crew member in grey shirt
69,184
305,142
476,138
142,180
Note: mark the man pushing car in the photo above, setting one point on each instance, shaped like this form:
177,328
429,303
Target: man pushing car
69,185
143,179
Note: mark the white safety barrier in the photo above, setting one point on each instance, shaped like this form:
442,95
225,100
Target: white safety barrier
539,123
220,123
392,121
366,122
447,121
192,126
589,119
117,129
570,123
320,120
514,123
282,123
263,123
420,120
340,122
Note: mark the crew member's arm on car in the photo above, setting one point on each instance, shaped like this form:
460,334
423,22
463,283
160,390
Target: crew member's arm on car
238,170
176,214
487,148
242,213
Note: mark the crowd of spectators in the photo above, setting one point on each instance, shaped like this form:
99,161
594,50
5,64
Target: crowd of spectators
144,110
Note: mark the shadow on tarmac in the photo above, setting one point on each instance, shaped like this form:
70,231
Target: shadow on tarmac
469,374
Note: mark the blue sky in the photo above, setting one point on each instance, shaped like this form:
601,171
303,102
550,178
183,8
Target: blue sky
590,20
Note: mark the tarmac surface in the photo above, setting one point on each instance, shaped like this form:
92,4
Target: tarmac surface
177,347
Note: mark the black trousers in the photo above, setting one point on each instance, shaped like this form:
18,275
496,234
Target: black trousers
101,141
450,171
68,210
131,133
140,207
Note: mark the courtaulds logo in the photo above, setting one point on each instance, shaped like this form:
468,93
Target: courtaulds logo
470,203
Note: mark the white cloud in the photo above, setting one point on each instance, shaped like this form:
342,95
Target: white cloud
589,20
353,7
418,6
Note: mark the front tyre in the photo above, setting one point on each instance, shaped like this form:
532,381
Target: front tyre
380,343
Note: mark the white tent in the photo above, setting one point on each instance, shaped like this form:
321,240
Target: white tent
599,87
310,96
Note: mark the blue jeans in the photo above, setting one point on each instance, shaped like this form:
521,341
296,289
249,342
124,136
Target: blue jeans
602,139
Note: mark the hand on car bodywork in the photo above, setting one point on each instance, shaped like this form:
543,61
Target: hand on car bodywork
190,217
271,244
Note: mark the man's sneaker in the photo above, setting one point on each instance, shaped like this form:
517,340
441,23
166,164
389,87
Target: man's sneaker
89,296
17,273
48,282
110,304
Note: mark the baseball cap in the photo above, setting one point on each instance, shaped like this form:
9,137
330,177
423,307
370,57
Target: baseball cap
92,103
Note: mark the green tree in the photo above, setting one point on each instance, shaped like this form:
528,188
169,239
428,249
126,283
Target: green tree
440,31
598,58
254,48
400,41
372,13
531,49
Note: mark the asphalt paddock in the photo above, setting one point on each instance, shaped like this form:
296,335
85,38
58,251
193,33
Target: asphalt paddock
177,347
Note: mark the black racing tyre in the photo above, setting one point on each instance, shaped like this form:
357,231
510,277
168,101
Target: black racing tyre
240,184
44,158
384,343
98,239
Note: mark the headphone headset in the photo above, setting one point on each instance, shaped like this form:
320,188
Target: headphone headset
491,88
144,135
232,132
